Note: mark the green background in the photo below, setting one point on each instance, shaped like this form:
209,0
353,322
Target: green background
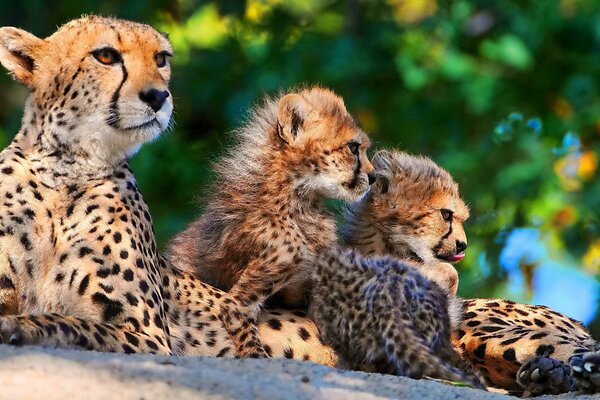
502,94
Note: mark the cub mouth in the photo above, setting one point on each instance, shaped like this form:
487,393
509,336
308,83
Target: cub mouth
451,258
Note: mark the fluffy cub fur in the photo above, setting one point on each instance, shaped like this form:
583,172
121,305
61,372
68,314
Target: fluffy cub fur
264,220
381,314
508,343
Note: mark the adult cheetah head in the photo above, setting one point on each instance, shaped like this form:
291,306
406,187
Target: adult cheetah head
417,205
98,85
323,145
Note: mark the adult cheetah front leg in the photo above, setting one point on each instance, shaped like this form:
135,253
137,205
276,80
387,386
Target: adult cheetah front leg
585,370
63,331
240,308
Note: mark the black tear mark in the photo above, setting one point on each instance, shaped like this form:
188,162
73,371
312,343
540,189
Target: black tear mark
113,111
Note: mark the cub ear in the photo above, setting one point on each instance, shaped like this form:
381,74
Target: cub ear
292,113
18,52
381,185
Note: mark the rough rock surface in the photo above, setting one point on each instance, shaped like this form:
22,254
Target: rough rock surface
33,372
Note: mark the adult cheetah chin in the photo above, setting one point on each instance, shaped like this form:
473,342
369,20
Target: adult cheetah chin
78,260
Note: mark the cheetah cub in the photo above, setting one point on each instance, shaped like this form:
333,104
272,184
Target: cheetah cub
264,220
381,314
414,212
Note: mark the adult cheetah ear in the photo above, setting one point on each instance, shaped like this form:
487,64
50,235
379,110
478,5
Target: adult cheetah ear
292,113
18,51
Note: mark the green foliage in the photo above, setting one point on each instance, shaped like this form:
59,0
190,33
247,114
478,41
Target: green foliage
427,76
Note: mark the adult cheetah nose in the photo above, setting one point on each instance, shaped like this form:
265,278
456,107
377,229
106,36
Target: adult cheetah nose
460,246
154,98
372,177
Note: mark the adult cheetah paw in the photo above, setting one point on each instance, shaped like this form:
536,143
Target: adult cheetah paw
544,375
585,370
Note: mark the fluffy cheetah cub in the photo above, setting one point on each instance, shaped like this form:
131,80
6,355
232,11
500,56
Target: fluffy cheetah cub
381,314
414,211
264,221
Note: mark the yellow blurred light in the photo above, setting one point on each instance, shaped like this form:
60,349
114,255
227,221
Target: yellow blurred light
256,10
591,259
412,11
566,169
588,163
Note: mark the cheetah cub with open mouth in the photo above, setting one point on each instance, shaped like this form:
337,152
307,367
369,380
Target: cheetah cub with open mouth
265,220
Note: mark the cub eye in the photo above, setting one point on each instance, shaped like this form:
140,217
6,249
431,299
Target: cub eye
446,214
107,55
354,146
161,58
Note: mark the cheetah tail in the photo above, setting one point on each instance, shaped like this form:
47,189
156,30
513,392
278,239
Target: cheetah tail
408,352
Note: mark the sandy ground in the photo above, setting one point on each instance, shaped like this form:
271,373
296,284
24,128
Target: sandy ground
33,372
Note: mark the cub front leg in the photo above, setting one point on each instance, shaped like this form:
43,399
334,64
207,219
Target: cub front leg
240,308
69,332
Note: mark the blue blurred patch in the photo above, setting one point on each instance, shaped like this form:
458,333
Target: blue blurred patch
565,287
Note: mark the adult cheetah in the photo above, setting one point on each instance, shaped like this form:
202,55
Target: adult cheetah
78,260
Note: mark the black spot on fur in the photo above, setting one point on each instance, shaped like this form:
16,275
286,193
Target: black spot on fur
83,285
274,324
539,322
480,351
544,350
110,308
509,355
288,353
303,333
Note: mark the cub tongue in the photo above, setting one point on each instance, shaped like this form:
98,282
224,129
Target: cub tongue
458,257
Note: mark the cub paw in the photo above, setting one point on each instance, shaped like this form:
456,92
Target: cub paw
13,333
585,370
544,375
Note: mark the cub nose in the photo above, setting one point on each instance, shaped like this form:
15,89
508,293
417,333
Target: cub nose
154,98
460,246
372,178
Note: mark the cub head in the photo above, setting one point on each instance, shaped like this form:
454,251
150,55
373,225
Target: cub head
416,205
320,142
98,85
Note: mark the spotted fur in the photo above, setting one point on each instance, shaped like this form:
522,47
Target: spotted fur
78,261
381,314
508,343
264,220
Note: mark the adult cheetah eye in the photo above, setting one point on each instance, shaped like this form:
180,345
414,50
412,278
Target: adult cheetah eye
354,146
107,55
446,214
161,58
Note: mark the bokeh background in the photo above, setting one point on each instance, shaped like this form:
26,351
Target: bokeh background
504,94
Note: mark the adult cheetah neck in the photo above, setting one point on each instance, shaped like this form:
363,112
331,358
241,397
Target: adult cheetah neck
56,159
